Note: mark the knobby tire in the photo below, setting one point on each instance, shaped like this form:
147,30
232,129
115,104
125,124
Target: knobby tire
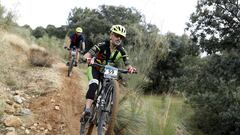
86,128
70,67
114,95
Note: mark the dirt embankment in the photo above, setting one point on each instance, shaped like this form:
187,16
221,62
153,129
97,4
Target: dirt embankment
60,110
37,100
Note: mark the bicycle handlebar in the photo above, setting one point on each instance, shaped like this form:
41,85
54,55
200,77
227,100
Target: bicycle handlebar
119,69
67,48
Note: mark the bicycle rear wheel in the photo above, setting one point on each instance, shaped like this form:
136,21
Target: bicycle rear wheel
107,117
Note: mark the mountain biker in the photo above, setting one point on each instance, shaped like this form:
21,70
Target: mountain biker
109,51
76,39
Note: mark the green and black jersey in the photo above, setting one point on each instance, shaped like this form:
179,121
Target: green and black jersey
103,54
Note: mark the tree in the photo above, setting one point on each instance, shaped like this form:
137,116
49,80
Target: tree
39,32
59,32
216,25
26,26
142,38
168,67
7,19
96,23
51,30
214,89
120,14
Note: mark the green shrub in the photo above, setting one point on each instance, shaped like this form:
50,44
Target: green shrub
215,95
53,46
130,118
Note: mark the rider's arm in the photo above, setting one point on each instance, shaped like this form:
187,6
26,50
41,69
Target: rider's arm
83,46
124,55
69,41
93,51
96,48
82,43
130,68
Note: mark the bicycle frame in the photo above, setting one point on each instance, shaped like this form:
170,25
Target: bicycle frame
73,60
104,107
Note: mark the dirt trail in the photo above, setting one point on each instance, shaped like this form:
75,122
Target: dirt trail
60,111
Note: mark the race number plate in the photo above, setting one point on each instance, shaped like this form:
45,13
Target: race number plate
74,52
110,72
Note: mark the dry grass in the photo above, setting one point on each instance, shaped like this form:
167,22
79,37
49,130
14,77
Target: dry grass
13,49
38,56
17,42
15,56
2,98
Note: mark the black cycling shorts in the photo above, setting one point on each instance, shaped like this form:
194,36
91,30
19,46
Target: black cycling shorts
71,46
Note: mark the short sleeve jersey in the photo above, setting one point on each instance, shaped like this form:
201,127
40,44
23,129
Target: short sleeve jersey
103,54
76,39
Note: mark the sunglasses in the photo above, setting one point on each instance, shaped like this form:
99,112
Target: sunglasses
118,36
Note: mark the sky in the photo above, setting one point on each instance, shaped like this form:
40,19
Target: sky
167,15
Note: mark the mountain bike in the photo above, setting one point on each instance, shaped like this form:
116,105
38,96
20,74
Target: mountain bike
105,104
72,62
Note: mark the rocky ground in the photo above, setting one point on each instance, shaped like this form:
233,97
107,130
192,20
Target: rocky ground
37,100
47,106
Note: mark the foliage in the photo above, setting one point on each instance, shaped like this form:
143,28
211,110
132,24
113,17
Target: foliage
7,19
215,24
53,46
83,18
39,32
151,115
214,89
168,67
142,42
96,23
59,32
214,93
50,30
130,119
25,33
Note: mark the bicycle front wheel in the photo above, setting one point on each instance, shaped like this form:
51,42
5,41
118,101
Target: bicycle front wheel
70,67
86,126
108,115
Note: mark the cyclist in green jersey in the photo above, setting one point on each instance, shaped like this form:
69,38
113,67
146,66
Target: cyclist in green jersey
109,51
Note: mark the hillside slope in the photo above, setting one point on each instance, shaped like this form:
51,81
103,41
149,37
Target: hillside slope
37,100
60,110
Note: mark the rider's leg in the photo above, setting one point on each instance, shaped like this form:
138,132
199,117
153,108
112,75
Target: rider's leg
93,77
69,58
89,103
93,86
69,54
77,57
77,54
